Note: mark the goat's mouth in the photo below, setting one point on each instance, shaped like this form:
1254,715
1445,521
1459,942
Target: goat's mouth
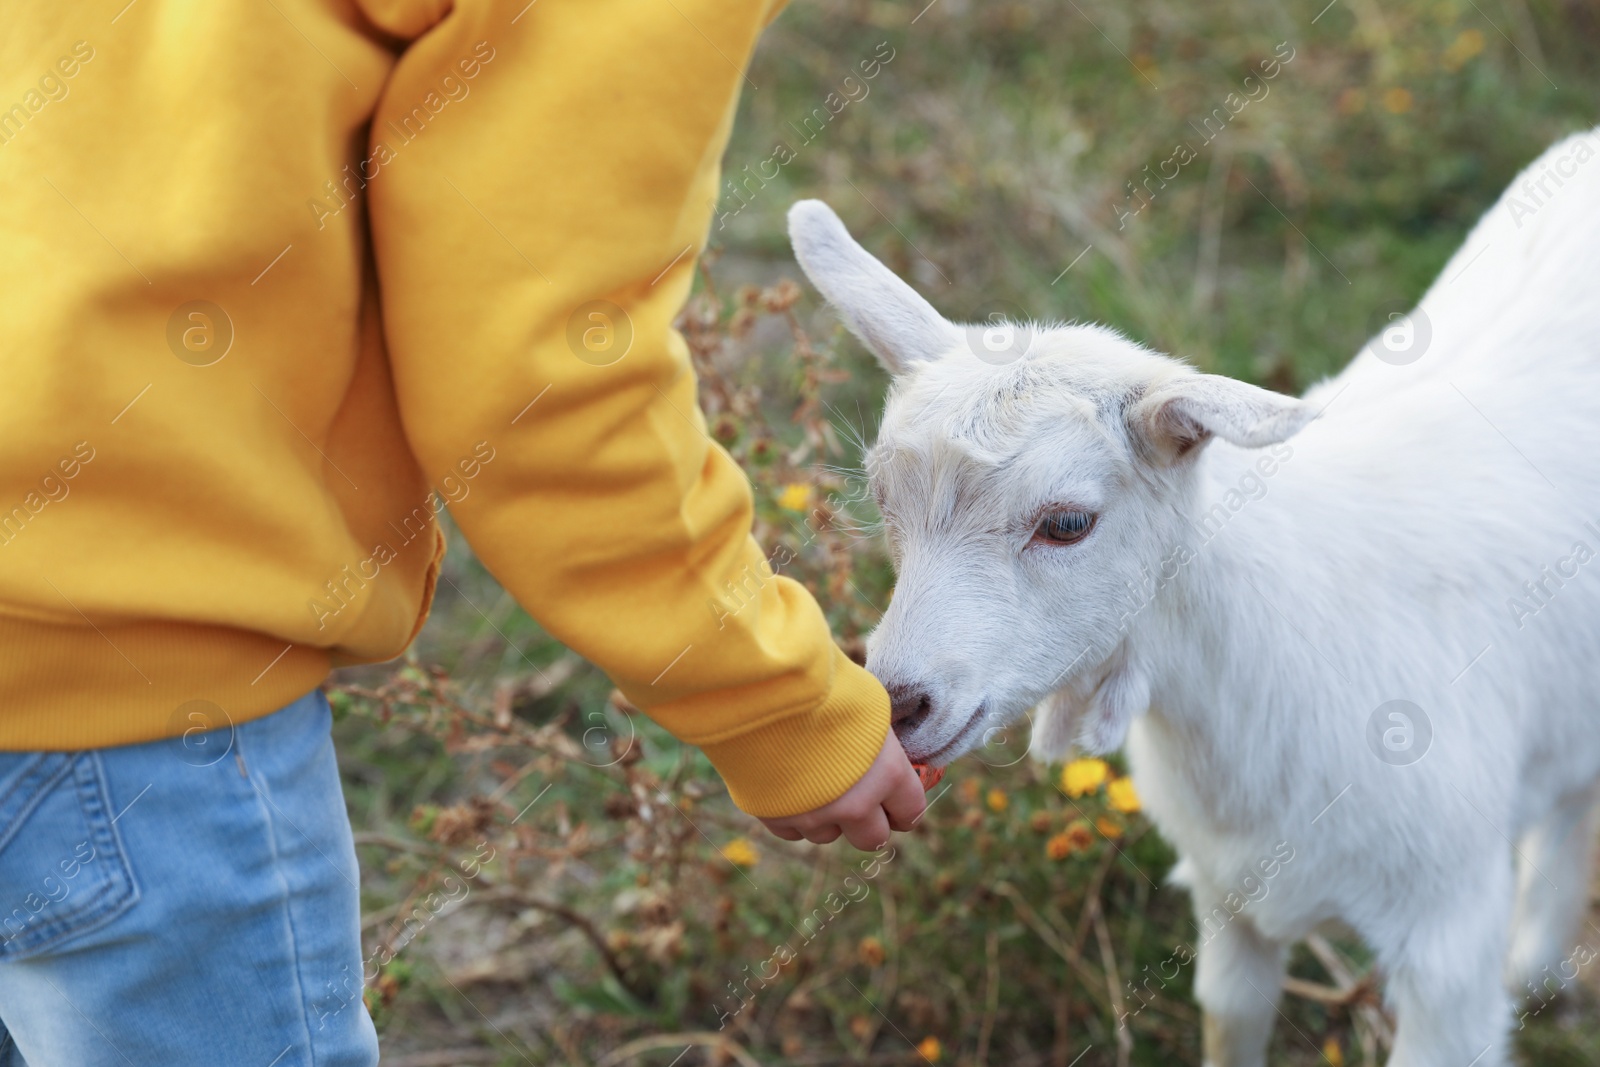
955,747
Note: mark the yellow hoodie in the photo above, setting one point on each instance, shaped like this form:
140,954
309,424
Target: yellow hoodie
280,280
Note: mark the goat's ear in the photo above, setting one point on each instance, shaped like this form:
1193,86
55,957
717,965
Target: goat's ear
894,322
1178,416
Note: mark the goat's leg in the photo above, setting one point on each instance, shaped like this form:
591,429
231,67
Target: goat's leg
1445,974
1555,859
1238,979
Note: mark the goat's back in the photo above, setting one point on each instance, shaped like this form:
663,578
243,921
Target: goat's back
1440,523
1517,306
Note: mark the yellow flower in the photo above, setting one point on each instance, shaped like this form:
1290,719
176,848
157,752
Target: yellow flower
1121,795
795,497
1084,776
740,853
930,1049
1397,101
1332,1052
1108,827
1463,48
997,801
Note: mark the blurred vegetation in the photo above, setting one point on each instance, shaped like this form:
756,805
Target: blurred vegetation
548,878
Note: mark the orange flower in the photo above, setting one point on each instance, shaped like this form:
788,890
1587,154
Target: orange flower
1463,48
1039,821
997,801
870,951
930,1049
1109,827
1352,101
1397,101
1074,838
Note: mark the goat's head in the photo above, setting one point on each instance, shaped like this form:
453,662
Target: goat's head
1033,481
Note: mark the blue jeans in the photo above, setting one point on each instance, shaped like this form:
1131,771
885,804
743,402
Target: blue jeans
182,903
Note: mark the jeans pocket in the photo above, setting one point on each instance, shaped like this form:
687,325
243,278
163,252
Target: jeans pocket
62,863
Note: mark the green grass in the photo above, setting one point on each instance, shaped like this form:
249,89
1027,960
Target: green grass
990,155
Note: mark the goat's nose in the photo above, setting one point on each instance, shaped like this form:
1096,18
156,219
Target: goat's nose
909,705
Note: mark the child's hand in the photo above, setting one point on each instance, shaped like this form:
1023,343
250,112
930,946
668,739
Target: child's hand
888,797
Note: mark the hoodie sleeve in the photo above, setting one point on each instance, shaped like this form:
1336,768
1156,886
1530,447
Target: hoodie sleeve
541,180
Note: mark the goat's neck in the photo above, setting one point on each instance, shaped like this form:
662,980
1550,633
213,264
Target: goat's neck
1228,671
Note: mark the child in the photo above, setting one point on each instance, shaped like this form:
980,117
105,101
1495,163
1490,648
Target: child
280,281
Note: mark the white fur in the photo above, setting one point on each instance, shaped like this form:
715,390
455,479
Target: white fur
1242,652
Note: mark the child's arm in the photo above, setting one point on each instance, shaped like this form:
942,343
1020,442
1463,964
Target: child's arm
534,243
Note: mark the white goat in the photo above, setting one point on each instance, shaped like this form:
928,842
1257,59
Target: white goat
1365,623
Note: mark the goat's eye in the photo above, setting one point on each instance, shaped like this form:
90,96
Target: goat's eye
1064,527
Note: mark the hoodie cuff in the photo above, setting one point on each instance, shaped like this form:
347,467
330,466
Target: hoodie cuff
805,760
